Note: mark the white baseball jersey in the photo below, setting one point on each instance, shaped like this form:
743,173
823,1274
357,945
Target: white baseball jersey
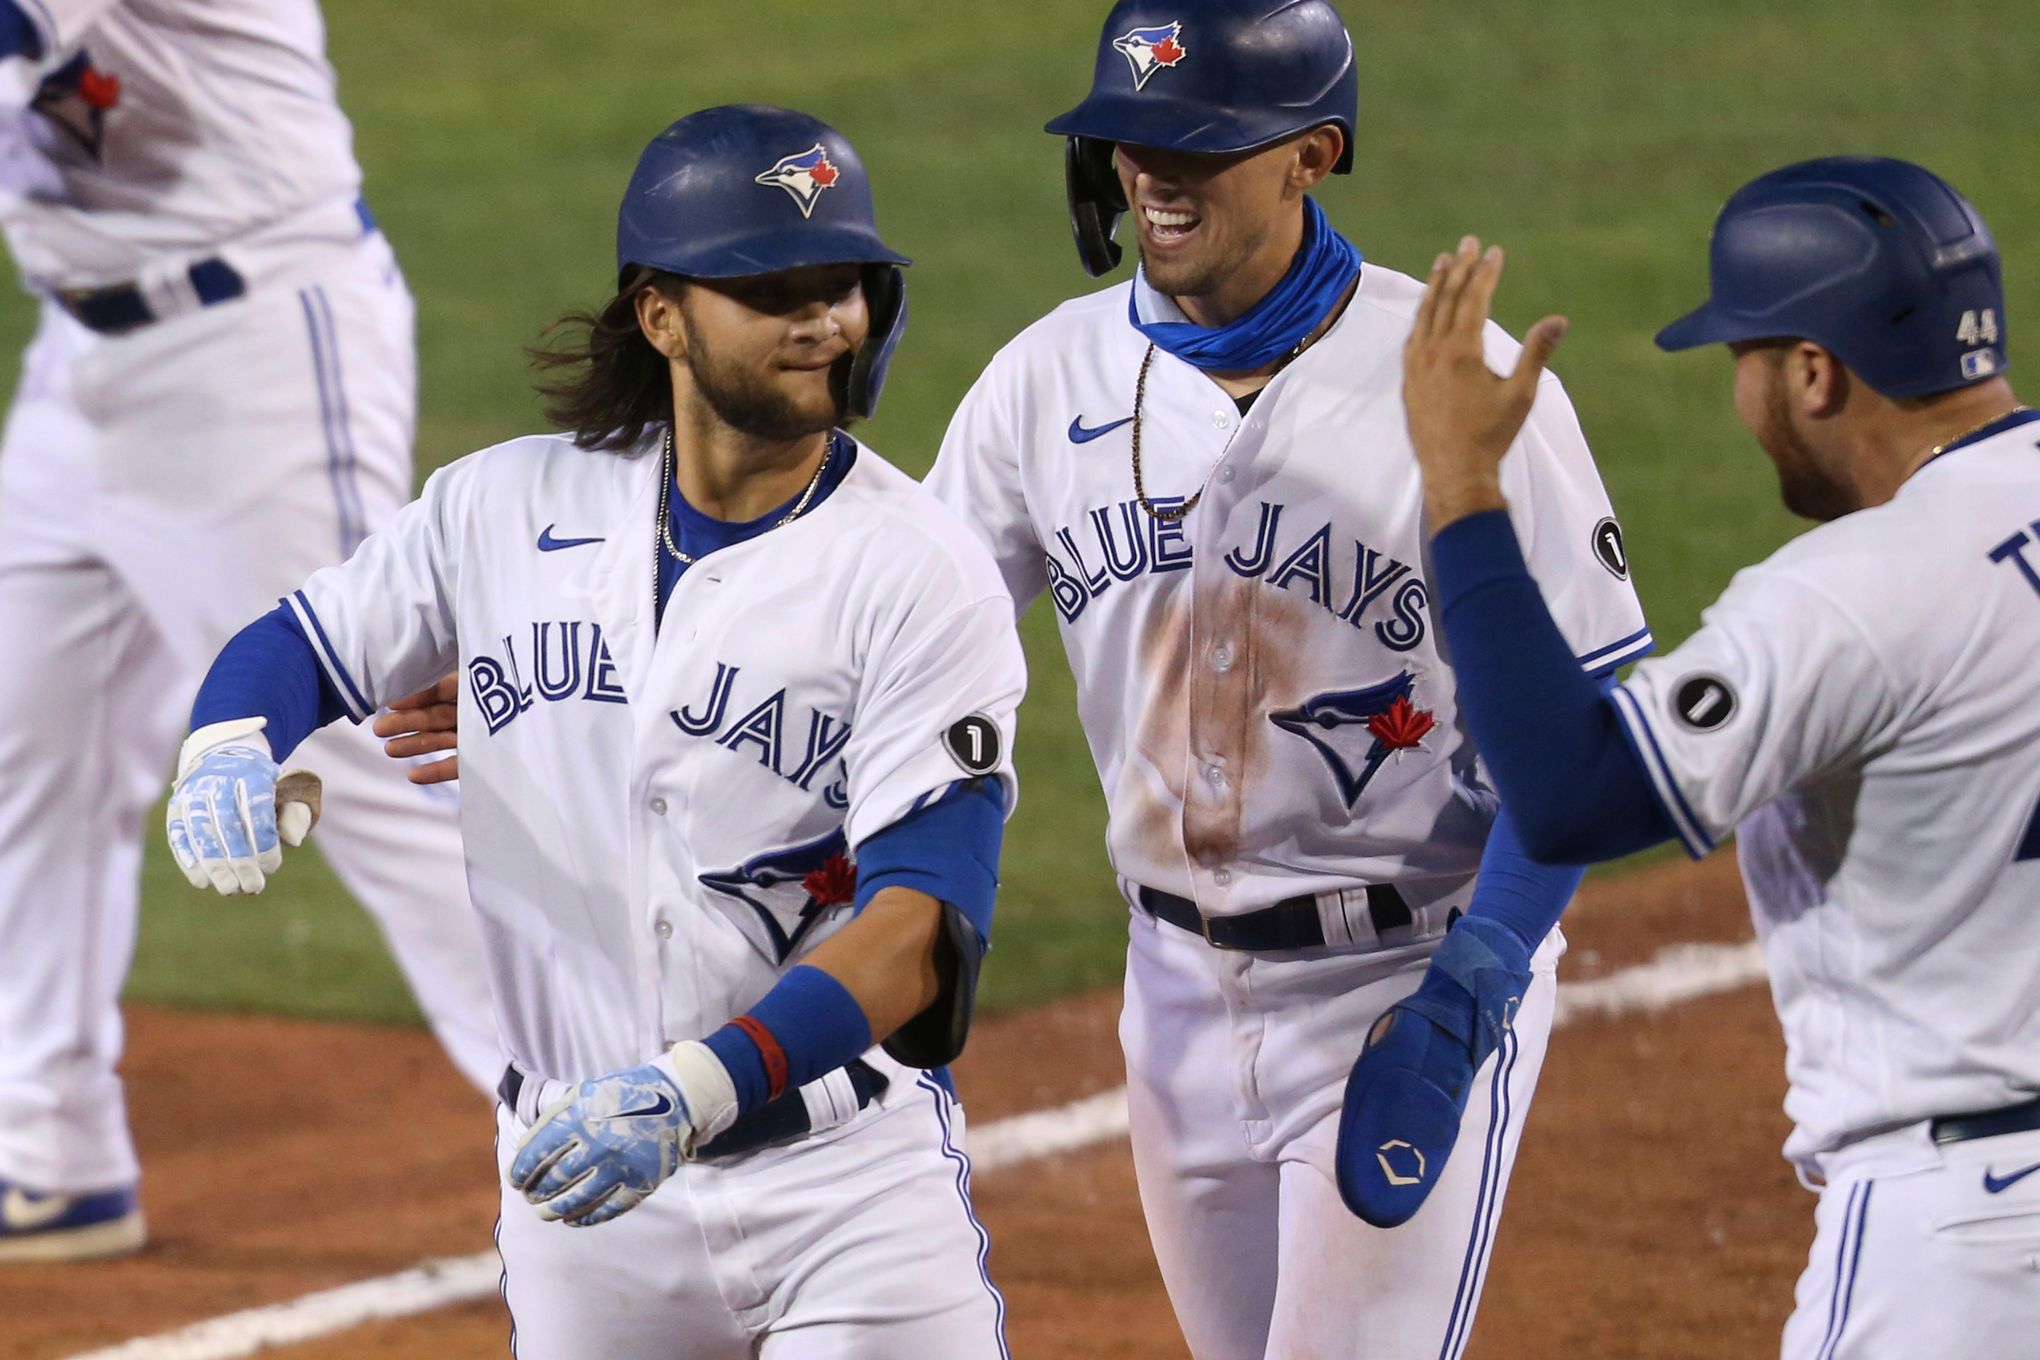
1262,682
657,824
154,132
1864,709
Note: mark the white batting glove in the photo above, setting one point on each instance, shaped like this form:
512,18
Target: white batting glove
226,822
599,1150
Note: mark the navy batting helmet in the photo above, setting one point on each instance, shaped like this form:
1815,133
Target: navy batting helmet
750,189
1207,76
1877,260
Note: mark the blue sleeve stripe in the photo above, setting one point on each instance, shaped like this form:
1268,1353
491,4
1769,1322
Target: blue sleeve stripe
1641,740
1618,654
358,706
46,22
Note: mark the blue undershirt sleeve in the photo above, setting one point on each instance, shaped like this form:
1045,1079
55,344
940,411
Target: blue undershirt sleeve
948,848
1518,893
269,670
1571,783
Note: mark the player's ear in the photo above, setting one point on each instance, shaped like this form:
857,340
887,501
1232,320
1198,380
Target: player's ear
658,315
1817,378
1317,151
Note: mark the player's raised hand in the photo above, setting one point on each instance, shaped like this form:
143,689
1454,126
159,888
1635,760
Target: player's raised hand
232,810
1462,415
422,724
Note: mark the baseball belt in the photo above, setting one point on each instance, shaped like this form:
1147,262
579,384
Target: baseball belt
1960,1128
812,1108
1292,923
122,307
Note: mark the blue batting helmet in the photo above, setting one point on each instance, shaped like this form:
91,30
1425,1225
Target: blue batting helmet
747,189
1877,260
1206,76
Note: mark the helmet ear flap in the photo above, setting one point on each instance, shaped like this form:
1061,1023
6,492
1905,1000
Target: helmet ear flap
1096,202
885,293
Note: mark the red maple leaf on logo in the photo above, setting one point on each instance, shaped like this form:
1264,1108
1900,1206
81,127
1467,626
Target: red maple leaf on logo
823,173
1400,726
1168,52
834,884
99,89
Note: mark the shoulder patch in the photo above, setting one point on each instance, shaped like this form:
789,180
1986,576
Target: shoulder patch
1703,702
973,743
1609,550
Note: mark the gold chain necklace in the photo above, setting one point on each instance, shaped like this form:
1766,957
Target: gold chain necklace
1944,445
1176,514
666,464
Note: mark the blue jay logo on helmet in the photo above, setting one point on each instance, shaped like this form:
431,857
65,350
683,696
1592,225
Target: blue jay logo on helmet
1148,50
804,176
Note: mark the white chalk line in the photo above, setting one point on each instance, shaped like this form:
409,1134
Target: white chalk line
1679,973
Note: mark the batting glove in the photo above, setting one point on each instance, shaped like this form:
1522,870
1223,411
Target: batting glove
598,1152
1407,1093
227,825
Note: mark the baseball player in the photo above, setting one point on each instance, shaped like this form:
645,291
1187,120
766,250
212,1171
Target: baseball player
1206,471
219,398
1863,709
739,699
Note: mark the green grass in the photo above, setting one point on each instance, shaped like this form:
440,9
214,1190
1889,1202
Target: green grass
1595,138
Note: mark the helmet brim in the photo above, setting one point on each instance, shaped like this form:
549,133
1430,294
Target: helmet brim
748,253
1151,120
1709,324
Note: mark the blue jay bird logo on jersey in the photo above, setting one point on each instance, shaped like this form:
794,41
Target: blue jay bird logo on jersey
803,176
1357,730
75,99
800,881
1148,50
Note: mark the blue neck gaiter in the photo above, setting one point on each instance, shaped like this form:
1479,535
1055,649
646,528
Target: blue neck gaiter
1324,267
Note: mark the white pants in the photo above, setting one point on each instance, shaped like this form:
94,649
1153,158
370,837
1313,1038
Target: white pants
159,490
855,1244
1915,1257
1236,1070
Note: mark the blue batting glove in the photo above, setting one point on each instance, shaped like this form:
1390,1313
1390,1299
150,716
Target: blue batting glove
599,1152
222,814
1408,1091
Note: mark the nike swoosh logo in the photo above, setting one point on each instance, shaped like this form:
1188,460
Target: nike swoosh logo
1993,1184
1081,433
665,1106
20,1213
547,543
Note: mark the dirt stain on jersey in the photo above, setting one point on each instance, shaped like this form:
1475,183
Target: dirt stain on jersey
1244,647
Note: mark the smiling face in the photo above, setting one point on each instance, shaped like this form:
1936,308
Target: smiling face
769,353
1217,232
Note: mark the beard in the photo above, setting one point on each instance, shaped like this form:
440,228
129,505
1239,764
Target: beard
747,401
1807,488
1205,273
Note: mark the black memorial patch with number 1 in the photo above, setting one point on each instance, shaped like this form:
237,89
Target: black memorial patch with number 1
973,743
1608,548
1703,702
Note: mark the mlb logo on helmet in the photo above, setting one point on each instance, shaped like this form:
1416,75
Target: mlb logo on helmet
1148,50
803,175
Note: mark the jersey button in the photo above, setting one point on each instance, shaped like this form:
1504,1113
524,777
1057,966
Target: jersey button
663,929
1221,420
1226,474
658,806
1214,776
1221,659
1222,877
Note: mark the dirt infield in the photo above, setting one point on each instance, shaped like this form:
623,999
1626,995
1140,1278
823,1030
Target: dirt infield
1650,1215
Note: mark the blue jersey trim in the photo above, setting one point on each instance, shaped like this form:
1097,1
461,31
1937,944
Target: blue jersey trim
1487,1201
1618,654
2011,420
333,418
1692,832
358,707
944,1100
